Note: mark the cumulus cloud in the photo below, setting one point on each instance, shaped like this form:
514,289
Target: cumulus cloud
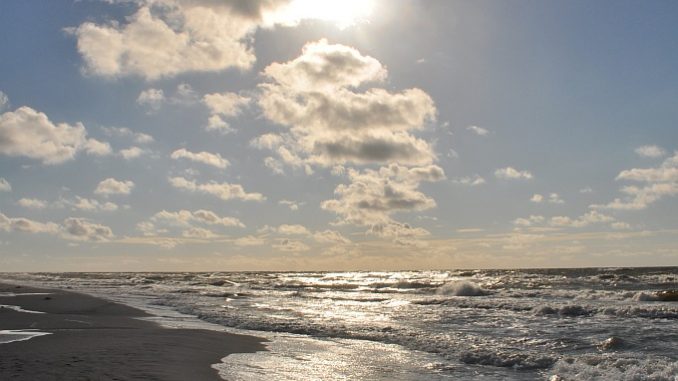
529,221
373,196
32,203
249,240
656,183
537,198
330,122
124,132
553,198
91,205
186,218
200,233
27,132
151,99
330,236
206,158
71,228
25,225
111,186
224,191
291,245
217,123
5,186
651,151
131,153
510,173
478,130
221,106
592,217
293,205
226,104
4,101
80,229
168,39
293,230
473,181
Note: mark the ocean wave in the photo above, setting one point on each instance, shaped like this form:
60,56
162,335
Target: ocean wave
516,360
625,311
462,288
615,368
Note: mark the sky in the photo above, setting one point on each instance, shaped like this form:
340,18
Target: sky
217,135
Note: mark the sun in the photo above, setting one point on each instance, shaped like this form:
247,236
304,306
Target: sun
342,13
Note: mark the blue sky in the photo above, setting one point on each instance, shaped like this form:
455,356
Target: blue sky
219,135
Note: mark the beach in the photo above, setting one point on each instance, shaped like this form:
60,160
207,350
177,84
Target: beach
88,338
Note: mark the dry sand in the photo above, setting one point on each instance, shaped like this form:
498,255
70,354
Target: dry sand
95,339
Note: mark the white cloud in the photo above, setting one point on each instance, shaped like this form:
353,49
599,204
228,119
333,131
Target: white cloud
586,190
293,205
553,198
138,137
169,39
478,130
206,158
373,196
224,191
293,230
531,220
91,205
72,228
651,151
473,181
151,98
80,229
249,240
200,233
4,101
330,123
217,123
330,236
290,245
186,218
592,217
510,173
26,226
657,183
184,95
27,132
537,198
113,186
274,165
226,104
5,186
131,153
97,148
32,203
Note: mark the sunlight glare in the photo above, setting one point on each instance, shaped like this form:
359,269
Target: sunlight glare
343,13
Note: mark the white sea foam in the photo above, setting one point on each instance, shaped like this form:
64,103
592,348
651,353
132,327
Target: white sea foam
462,288
482,324
19,309
615,368
10,336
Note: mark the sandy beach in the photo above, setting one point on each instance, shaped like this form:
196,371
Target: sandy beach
95,339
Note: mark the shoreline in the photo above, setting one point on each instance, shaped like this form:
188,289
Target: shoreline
93,338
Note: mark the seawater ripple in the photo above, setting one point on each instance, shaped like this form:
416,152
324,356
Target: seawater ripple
550,324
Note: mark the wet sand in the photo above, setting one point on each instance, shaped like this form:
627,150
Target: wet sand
95,339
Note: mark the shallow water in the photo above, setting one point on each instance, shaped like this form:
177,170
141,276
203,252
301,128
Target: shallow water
584,324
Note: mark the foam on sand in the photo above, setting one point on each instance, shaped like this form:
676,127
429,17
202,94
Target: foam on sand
12,335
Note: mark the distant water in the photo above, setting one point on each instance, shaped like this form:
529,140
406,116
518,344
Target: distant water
564,324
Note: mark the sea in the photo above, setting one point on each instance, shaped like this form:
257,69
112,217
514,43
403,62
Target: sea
531,324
